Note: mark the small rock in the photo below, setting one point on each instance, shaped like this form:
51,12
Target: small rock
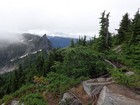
129,73
91,81
109,79
69,99
101,79
14,102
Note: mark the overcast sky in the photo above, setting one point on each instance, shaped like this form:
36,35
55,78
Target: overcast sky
70,17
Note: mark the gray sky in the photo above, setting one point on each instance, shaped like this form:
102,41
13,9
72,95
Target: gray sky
70,17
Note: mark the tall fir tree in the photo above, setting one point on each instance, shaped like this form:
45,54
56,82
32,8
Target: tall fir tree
104,35
124,29
40,64
21,76
72,43
84,40
136,28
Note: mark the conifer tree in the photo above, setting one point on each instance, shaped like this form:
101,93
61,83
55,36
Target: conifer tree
72,43
40,64
15,80
21,76
104,35
124,28
84,41
136,28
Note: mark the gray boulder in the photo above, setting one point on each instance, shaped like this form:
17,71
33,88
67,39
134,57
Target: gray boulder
117,95
94,86
14,102
69,99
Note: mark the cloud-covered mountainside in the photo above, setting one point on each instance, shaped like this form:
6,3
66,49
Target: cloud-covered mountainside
17,47
24,45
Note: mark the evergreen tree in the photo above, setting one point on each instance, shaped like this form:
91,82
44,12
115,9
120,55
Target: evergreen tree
104,35
84,41
72,43
21,76
40,64
124,28
20,70
1,80
80,41
136,28
15,80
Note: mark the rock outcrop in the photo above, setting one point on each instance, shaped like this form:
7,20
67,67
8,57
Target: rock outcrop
115,94
14,102
101,91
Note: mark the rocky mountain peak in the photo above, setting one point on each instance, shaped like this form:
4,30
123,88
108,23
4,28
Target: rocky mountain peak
44,36
27,44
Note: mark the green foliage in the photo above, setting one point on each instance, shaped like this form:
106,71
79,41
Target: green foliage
62,69
6,99
131,55
103,42
40,65
33,99
25,89
59,83
72,43
122,78
80,61
12,81
81,41
136,28
124,28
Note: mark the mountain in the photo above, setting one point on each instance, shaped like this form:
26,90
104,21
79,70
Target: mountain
25,45
102,71
11,51
60,42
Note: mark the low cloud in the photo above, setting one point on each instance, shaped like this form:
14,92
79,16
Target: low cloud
71,18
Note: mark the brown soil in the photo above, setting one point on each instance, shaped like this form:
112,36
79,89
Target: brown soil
80,94
51,99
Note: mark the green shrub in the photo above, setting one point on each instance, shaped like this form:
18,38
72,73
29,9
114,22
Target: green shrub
80,61
122,78
6,99
59,83
23,90
33,99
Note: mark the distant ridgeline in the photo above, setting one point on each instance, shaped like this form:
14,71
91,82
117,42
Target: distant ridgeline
60,42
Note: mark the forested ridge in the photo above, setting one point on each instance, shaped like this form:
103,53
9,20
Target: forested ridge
57,71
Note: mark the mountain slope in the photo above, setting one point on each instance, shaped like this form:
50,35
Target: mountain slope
25,45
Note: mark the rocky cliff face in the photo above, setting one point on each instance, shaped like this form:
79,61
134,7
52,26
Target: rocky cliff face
35,43
25,45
